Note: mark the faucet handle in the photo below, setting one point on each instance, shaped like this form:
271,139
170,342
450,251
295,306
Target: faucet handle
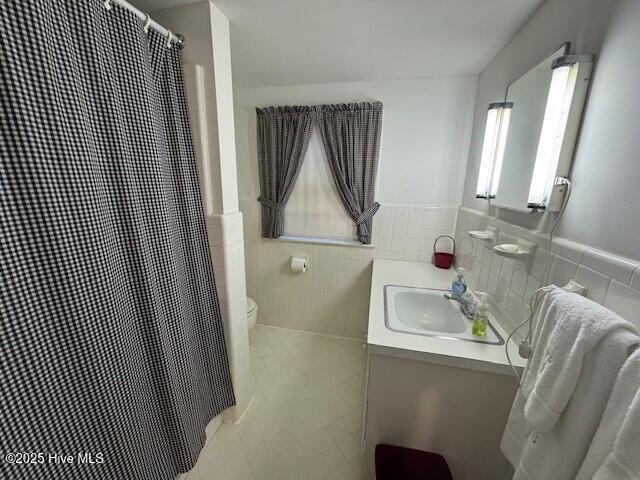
471,304
469,298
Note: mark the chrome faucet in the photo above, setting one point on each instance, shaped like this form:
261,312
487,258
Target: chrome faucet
467,305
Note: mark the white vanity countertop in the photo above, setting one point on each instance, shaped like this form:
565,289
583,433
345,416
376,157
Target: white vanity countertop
381,340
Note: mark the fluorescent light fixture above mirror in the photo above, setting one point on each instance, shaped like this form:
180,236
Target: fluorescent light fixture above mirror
552,148
495,139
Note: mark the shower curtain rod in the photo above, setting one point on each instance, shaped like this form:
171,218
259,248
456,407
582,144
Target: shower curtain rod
176,38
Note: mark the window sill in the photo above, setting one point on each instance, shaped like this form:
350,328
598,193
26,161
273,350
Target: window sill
323,241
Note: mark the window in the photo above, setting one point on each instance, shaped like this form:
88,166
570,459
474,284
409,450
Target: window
314,208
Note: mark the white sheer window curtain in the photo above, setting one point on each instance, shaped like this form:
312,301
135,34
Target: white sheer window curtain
314,208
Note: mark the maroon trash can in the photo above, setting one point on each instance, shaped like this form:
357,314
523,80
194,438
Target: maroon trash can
400,463
444,259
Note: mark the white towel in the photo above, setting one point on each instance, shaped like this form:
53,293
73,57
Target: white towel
571,327
558,453
614,453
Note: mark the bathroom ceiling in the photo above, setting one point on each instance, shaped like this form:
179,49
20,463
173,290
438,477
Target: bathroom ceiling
294,42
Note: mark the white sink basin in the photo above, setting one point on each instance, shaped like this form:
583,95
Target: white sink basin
423,311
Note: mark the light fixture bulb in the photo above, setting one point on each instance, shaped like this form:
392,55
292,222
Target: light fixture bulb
495,139
554,123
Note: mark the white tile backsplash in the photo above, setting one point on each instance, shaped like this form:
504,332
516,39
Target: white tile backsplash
569,250
611,280
541,262
596,283
519,282
226,243
611,265
635,279
332,297
624,300
562,270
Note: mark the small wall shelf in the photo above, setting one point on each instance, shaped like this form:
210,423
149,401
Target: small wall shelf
479,234
490,234
522,251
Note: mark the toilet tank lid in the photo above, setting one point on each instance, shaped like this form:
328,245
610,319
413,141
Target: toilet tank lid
251,305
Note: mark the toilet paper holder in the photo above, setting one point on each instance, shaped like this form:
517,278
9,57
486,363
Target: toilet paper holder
299,264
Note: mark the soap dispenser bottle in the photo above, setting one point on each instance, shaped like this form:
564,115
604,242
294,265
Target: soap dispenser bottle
459,284
481,317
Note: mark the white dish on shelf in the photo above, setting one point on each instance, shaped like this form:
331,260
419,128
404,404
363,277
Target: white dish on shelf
508,248
522,251
480,234
509,251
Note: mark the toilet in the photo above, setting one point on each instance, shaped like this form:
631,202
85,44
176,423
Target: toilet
252,313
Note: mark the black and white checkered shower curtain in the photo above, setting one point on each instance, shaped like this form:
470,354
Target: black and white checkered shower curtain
111,343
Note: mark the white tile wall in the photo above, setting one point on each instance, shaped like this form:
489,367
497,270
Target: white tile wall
226,242
611,280
332,297
624,300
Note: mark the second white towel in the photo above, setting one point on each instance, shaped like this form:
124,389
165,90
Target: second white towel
614,453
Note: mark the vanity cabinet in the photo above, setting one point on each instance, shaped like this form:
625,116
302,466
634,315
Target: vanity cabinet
457,412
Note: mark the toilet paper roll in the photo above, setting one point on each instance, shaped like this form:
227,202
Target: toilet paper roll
298,264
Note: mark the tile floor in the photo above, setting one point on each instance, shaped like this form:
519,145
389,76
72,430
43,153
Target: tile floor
306,419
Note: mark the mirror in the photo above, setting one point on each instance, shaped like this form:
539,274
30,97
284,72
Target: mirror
529,138
527,96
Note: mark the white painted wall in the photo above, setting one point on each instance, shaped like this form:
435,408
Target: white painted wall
605,204
425,134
